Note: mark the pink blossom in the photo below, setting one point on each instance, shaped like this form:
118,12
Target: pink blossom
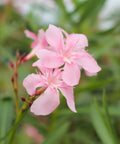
70,52
51,80
33,133
38,43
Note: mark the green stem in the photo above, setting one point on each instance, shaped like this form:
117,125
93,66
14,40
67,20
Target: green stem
18,120
16,88
22,113
16,98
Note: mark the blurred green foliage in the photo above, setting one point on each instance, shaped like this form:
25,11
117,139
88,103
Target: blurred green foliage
95,123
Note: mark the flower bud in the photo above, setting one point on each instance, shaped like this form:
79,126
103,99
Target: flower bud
12,79
23,99
12,64
29,103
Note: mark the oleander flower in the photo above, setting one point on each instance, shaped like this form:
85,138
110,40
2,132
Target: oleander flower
38,43
70,52
51,80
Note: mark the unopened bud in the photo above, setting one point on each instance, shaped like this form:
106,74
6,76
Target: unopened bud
22,56
23,99
21,60
12,79
29,103
38,92
12,64
16,74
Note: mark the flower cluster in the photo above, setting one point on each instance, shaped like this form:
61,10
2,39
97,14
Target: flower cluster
61,56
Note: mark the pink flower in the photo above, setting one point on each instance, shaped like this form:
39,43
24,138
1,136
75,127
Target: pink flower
69,51
33,133
38,43
51,80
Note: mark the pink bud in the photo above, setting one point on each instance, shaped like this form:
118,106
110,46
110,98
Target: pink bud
29,103
38,92
12,64
23,99
12,79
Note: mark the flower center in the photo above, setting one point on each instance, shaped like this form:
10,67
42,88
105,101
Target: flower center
67,56
53,78
67,60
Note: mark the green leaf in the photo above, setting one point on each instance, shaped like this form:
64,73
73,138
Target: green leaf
101,125
6,117
91,9
57,134
108,120
95,85
80,137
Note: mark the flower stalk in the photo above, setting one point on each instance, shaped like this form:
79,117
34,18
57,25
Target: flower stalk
14,80
19,118
16,84
28,101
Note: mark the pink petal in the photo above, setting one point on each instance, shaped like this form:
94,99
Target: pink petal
90,74
37,64
31,82
33,44
71,74
46,103
54,37
42,37
49,59
65,33
67,91
41,34
76,41
88,63
30,34
43,69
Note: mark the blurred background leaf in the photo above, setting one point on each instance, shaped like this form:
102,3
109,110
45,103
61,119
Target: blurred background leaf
6,117
102,124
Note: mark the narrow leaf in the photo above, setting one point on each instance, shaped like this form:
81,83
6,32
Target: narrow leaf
57,134
100,125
